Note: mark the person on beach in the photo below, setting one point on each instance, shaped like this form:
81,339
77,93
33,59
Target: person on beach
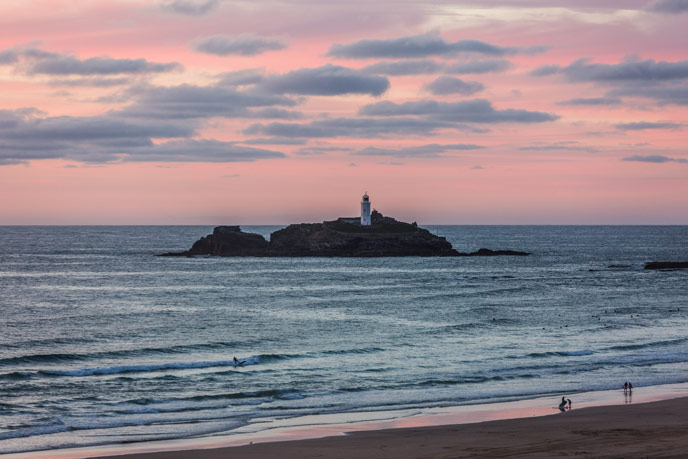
625,386
569,400
562,405
630,387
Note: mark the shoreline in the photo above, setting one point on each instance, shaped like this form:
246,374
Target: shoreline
354,428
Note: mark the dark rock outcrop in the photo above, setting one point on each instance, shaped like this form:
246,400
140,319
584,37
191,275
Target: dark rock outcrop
385,237
226,241
666,265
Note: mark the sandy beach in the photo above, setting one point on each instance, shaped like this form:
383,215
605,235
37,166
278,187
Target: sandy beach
656,430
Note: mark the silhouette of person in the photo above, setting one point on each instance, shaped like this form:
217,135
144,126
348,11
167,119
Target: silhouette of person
569,400
236,362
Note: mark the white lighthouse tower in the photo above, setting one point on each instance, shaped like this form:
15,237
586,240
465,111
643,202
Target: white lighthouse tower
365,210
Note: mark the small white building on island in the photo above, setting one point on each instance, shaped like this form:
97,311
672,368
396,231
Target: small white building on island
365,210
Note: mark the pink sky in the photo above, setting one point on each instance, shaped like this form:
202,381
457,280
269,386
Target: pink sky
273,112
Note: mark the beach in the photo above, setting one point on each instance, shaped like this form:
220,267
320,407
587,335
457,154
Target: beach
656,429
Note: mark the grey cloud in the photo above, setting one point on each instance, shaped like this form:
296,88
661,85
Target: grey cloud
190,101
427,66
67,65
96,82
648,70
655,159
353,127
420,151
244,45
418,46
314,151
189,150
241,78
325,81
450,85
643,125
470,111
8,56
564,145
479,66
276,113
416,67
106,138
36,61
664,95
192,7
668,6
546,70
275,141
591,101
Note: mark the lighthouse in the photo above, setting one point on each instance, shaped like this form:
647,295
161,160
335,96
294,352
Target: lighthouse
365,210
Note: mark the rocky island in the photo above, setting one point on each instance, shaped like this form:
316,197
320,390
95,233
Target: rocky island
344,237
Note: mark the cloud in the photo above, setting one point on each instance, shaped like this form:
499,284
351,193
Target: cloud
416,67
479,66
655,159
420,46
664,95
470,111
192,7
34,61
315,151
204,150
241,77
421,151
566,145
96,82
8,56
353,127
450,85
191,101
546,70
243,45
648,71
428,66
591,101
643,125
97,139
668,6
67,65
275,141
327,80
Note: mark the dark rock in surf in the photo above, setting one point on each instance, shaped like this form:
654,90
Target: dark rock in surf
226,241
667,265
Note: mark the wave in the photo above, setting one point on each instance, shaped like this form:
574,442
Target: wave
561,353
124,353
651,344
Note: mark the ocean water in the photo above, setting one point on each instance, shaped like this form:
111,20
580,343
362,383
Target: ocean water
101,342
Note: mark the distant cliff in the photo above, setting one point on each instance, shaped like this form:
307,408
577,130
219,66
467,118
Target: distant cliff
385,237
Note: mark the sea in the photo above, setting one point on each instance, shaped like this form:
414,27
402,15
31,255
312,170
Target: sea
102,342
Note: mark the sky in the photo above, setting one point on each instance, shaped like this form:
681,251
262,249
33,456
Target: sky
272,112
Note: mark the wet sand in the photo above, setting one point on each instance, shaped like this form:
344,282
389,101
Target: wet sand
656,430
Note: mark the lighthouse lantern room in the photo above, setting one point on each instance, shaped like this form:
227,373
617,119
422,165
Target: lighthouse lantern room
365,210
